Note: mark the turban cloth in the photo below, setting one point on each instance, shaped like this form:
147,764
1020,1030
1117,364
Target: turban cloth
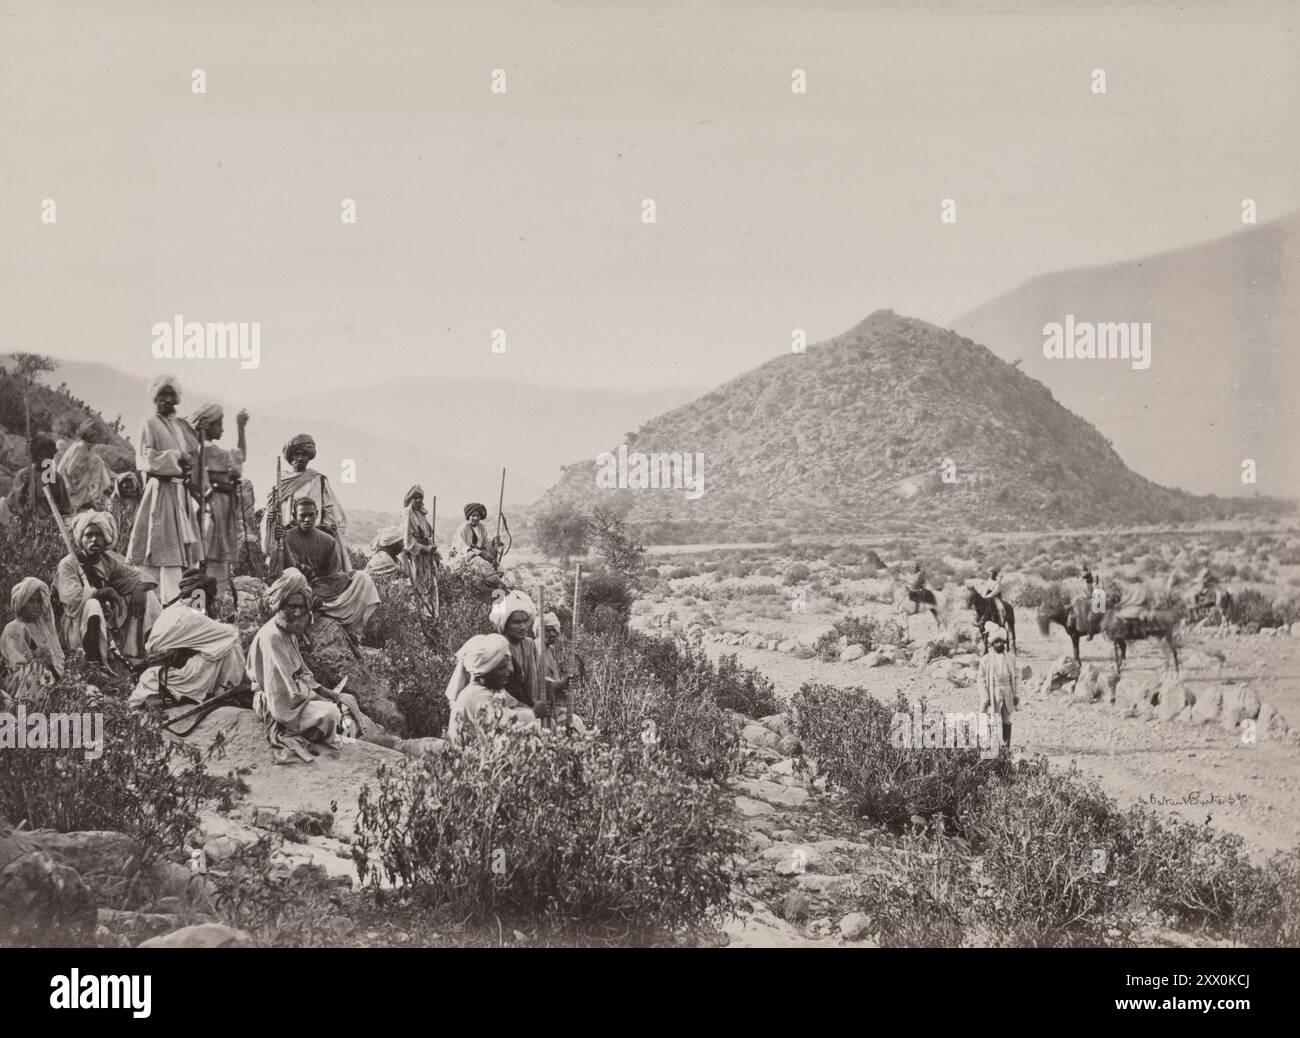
300,442
88,428
104,521
503,608
26,591
394,535
290,584
551,622
481,655
473,507
994,632
208,414
415,489
163,382
196,579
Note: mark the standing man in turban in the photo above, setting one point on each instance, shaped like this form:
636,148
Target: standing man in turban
164,537
295,709
419,555
193,655
30,654
44,473
349,598
222,492
120,602
305,482
477,692
997,681
86,476
555,672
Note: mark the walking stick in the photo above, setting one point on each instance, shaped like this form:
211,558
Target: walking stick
573,646
548,722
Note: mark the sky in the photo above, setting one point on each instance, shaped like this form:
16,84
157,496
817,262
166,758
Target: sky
523,211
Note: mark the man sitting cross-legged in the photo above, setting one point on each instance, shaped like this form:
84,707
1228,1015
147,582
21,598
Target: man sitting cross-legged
120,602
349,598
192,655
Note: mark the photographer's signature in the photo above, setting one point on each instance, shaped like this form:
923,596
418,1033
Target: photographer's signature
1198,798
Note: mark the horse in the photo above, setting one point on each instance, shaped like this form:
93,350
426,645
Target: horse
1067,618
932,602
1201,606
986,610
1122,630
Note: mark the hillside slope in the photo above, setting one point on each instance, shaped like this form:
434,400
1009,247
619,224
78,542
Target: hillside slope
853,436
1225,324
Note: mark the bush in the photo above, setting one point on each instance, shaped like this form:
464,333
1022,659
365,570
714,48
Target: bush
848,732
682,572
1251,607
143,784
573,830
796,573
743,689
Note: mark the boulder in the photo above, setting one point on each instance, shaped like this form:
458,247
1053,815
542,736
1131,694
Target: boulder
852,652
789,746
796,907
204,935
1208,706
1133,695
773,792
331,657
1173,698
804,652
751,808
91,853
779,723
787,646
1271,724
758,735
820,884
855,926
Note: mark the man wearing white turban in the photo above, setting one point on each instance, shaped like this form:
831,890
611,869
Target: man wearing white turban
120,602
512,616
479,701
85,475
164,537
997,680
295,709
196,655
386,546
30,654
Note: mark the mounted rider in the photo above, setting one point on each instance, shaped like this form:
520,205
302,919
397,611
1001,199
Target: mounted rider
990,589
918,587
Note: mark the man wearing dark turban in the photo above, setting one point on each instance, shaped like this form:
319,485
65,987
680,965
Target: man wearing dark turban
304,482
43,473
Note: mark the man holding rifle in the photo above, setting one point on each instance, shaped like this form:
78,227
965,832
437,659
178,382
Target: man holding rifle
109,606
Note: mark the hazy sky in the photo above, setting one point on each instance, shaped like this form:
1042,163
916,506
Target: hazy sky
522,211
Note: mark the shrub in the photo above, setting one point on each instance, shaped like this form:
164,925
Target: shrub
143,784
607,601
743,689
1251,607
574,830
682,572
848,732
796,573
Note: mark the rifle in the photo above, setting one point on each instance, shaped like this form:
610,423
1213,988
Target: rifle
206,707
203,502
433,562
574,662
113,651
499,551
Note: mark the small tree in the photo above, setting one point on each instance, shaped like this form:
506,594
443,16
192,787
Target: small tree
563,532
26,367
622,555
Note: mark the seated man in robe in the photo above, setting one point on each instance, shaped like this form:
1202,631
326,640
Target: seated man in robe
480,704
120,602
30,655
192,655
386,548
512,616
1135,602
295,709
85,474
472,549
349,598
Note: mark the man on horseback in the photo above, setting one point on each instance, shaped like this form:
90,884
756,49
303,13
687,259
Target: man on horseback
991,591
918,589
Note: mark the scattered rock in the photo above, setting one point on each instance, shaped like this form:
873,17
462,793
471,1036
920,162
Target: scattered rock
855,926
1174,698
824,884
796,907
759,735
787,646
1207,707
790,746
204,935
852,652
751,808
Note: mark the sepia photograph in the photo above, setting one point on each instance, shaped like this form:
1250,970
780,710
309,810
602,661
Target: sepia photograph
533,477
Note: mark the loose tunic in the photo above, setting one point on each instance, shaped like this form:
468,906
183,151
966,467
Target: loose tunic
86,476
479,711
216,663
310,484
417,547
998,684
111,570
164,532
349,598
222,530
284,696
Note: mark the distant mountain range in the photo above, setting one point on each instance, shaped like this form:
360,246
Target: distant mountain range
1225,360
896,423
